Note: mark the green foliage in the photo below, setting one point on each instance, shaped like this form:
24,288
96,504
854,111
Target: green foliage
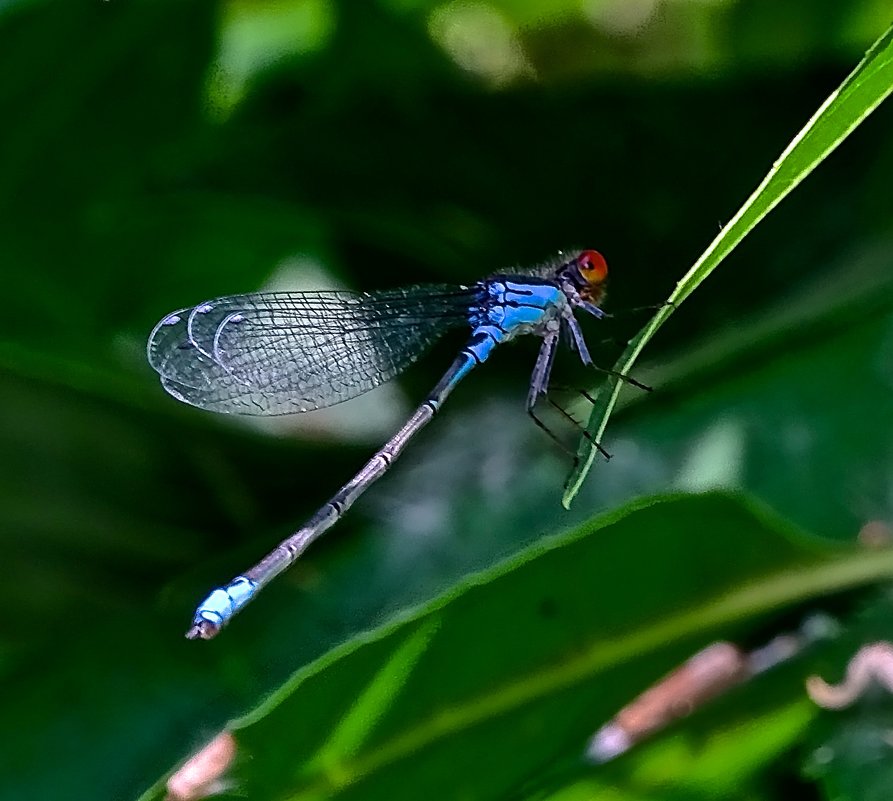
501,678
859,95
158,152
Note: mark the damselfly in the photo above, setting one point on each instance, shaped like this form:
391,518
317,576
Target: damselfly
282,352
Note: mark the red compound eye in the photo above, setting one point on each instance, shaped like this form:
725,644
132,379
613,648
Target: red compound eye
592,266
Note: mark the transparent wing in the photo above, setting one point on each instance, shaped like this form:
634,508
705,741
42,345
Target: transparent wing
283,352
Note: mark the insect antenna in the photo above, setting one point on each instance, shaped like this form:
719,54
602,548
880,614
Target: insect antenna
636,309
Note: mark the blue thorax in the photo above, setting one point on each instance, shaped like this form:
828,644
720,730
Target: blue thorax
511,305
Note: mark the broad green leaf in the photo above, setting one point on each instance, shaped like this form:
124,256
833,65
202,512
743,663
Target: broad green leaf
713,754
865,88
508,673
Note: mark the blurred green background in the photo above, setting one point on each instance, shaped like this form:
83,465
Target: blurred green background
155,153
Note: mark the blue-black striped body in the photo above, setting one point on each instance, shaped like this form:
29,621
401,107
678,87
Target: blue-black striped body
280,352
508,306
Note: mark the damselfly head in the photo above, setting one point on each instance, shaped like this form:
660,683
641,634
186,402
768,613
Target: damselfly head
589,271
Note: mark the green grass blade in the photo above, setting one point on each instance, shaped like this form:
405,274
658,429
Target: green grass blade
838,116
